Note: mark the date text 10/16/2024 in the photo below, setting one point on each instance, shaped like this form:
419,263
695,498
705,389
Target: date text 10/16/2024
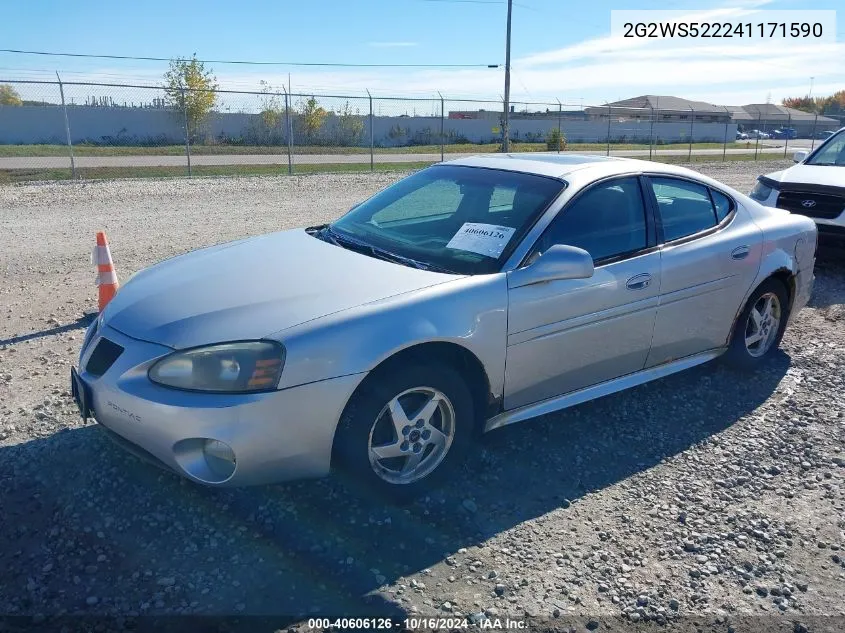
416,623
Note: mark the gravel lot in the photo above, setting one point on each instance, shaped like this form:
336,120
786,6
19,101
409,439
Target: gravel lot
705,498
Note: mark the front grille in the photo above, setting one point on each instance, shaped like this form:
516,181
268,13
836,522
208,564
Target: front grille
815,205
103,357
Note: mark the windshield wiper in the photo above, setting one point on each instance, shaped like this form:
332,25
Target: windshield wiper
401,259
342,240
379,253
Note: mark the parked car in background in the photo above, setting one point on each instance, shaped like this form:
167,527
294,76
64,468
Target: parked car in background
815,188
826,134
741,136
758,134
784,133
466,297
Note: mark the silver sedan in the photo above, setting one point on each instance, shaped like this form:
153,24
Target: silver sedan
465,297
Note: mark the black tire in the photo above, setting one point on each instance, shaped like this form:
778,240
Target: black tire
351,451
738,354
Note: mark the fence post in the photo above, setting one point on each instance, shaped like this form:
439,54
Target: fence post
651,134
609,114
288,132
559,128
187,132
67,129
372,144
813,133
725,143
691,119
442,122
757,143
786,134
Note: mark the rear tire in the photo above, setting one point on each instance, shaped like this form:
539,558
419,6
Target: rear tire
759,329
405,431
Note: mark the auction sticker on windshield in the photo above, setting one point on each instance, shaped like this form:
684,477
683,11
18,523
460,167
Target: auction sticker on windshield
484,239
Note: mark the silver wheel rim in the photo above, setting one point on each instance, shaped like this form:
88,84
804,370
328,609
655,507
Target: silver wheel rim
411,435
763,324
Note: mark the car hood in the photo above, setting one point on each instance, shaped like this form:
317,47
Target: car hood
832,176
253,288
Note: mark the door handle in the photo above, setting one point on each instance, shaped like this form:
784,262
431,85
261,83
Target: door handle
740,252
638,282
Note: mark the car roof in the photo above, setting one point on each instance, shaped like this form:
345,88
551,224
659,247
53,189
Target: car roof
559,165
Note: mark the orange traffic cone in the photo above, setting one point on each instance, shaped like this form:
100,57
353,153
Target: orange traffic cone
106,275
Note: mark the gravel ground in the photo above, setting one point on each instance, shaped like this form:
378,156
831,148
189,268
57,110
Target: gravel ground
705,498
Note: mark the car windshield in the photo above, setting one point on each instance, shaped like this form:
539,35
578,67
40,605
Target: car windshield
832,152
465,220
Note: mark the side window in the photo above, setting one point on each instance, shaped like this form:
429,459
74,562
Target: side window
685,207
607,220
722,203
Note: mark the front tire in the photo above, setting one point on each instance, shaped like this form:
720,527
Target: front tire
406,430
759,328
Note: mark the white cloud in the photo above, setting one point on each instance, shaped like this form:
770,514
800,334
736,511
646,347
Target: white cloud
612,44
590,72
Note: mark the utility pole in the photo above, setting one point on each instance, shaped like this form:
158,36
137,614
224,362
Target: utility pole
505,122
811,88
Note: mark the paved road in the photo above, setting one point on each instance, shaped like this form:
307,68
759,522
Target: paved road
40,162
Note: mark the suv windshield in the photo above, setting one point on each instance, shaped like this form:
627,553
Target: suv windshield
832,152
465,220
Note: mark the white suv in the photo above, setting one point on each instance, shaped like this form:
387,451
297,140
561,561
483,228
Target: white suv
815,187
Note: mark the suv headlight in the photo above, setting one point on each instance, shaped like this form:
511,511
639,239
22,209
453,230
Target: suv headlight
761,192
241,367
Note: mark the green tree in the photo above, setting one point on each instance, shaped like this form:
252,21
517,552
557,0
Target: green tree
834,104
191,89
805,104
555,140
9,96
272,106
313,116
350,126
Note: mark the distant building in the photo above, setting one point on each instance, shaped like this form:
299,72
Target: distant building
515,115
770,116
660,108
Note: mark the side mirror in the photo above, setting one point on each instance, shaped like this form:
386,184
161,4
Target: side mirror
799,156
559,262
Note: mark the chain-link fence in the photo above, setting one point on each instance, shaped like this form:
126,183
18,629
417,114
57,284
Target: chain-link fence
94,130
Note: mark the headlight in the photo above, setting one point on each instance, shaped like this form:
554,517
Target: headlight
242,367
760,192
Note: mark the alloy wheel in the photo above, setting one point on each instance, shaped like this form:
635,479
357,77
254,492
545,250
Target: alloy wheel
411,435
761,329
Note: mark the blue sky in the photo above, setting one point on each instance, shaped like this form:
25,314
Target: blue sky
561,49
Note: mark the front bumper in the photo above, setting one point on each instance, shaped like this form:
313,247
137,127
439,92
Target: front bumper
831,234
275,436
